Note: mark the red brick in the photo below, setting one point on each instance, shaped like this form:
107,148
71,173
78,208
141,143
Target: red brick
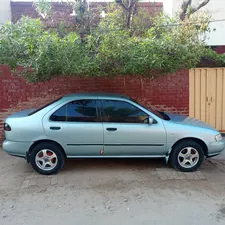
165,92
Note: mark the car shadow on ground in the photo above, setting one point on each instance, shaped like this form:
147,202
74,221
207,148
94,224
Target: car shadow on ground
113,164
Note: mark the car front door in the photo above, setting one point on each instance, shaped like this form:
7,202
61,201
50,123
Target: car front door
76,124
128,133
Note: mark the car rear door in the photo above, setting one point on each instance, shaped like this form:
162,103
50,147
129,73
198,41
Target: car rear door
128,133
76,125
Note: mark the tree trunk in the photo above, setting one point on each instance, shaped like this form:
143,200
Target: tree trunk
129,19
129,10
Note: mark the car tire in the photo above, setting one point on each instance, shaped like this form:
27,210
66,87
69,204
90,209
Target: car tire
47,158
187,156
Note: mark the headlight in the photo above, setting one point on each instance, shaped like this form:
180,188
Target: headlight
218,137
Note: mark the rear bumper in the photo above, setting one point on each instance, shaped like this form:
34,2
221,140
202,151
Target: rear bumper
215,148
14,148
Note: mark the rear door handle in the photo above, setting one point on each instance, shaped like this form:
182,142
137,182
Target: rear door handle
55,128
111,129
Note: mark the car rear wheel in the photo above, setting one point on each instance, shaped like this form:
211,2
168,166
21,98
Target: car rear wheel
47,158
187,156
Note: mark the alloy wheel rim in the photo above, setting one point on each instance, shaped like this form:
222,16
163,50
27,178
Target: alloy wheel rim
46,159
188,157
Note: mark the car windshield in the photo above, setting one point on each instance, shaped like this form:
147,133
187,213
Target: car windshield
42,107
161,115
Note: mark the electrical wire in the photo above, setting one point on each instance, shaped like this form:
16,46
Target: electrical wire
167,25
180,24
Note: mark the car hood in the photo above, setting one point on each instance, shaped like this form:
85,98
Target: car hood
20,114
186,120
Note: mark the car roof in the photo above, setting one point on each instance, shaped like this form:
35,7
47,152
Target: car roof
96,94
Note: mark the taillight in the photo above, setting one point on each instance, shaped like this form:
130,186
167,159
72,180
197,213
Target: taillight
7,127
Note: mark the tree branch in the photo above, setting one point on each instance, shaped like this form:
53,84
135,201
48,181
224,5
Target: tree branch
184,8
188,3
194,9
120,2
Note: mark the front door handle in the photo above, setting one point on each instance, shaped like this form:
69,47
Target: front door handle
55,128
111,129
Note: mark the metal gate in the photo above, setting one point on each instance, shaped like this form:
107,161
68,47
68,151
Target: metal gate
207,96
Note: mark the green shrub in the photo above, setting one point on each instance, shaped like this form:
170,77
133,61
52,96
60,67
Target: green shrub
164,48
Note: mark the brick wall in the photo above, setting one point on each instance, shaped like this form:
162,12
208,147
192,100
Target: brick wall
220,49
61,11
169,93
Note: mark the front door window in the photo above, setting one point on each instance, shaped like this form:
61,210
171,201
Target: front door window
122,112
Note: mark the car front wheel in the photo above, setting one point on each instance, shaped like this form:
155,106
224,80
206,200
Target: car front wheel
187,156
47,158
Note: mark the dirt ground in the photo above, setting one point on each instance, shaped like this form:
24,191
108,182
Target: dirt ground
100,191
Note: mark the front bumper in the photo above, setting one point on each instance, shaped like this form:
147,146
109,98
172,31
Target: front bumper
16,148
215,148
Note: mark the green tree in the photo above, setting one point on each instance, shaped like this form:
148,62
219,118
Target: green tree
163,46
43,7
129,7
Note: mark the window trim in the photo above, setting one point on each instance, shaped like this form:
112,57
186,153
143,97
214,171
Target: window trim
120,100
66,104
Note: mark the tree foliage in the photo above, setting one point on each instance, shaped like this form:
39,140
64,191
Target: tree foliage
43,7
111,49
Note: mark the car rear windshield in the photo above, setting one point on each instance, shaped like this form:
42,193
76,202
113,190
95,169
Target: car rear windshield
39,109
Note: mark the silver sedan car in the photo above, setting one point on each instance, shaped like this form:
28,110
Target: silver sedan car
102,125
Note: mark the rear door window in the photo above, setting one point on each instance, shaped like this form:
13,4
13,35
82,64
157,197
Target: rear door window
60,114
77,111
82,111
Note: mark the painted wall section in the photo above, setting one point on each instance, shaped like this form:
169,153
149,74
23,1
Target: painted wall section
215,8
5,12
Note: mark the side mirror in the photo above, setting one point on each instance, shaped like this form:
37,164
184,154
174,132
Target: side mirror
150,120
